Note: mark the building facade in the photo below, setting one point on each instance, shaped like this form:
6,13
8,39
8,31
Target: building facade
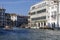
22,21
2,17
44,14
13,18
8,21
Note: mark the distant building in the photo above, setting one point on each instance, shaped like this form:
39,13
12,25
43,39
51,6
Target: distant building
2,17
8,21
22,20
13,18
45,14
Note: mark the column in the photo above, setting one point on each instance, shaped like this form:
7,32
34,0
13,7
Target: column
40,24
37,24
43,24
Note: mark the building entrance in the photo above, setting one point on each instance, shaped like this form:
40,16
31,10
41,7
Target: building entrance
53,25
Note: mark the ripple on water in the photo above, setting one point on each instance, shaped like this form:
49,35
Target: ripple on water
29,34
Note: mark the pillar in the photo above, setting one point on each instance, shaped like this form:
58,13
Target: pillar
40,24
37,24
43,24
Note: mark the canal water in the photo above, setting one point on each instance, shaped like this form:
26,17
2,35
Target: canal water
29,34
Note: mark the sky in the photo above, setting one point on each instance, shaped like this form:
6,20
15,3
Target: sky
20,7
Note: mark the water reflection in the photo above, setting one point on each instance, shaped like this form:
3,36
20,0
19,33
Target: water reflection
29,34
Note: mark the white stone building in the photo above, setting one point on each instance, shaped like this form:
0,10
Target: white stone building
13,17
45,13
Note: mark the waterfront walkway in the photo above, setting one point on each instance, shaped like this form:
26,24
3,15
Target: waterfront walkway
29,34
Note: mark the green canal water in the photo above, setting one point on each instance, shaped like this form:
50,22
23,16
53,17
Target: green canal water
29,34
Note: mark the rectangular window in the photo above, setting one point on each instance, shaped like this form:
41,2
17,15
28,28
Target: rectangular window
44,17
33,8
41,11
55,1
32,13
